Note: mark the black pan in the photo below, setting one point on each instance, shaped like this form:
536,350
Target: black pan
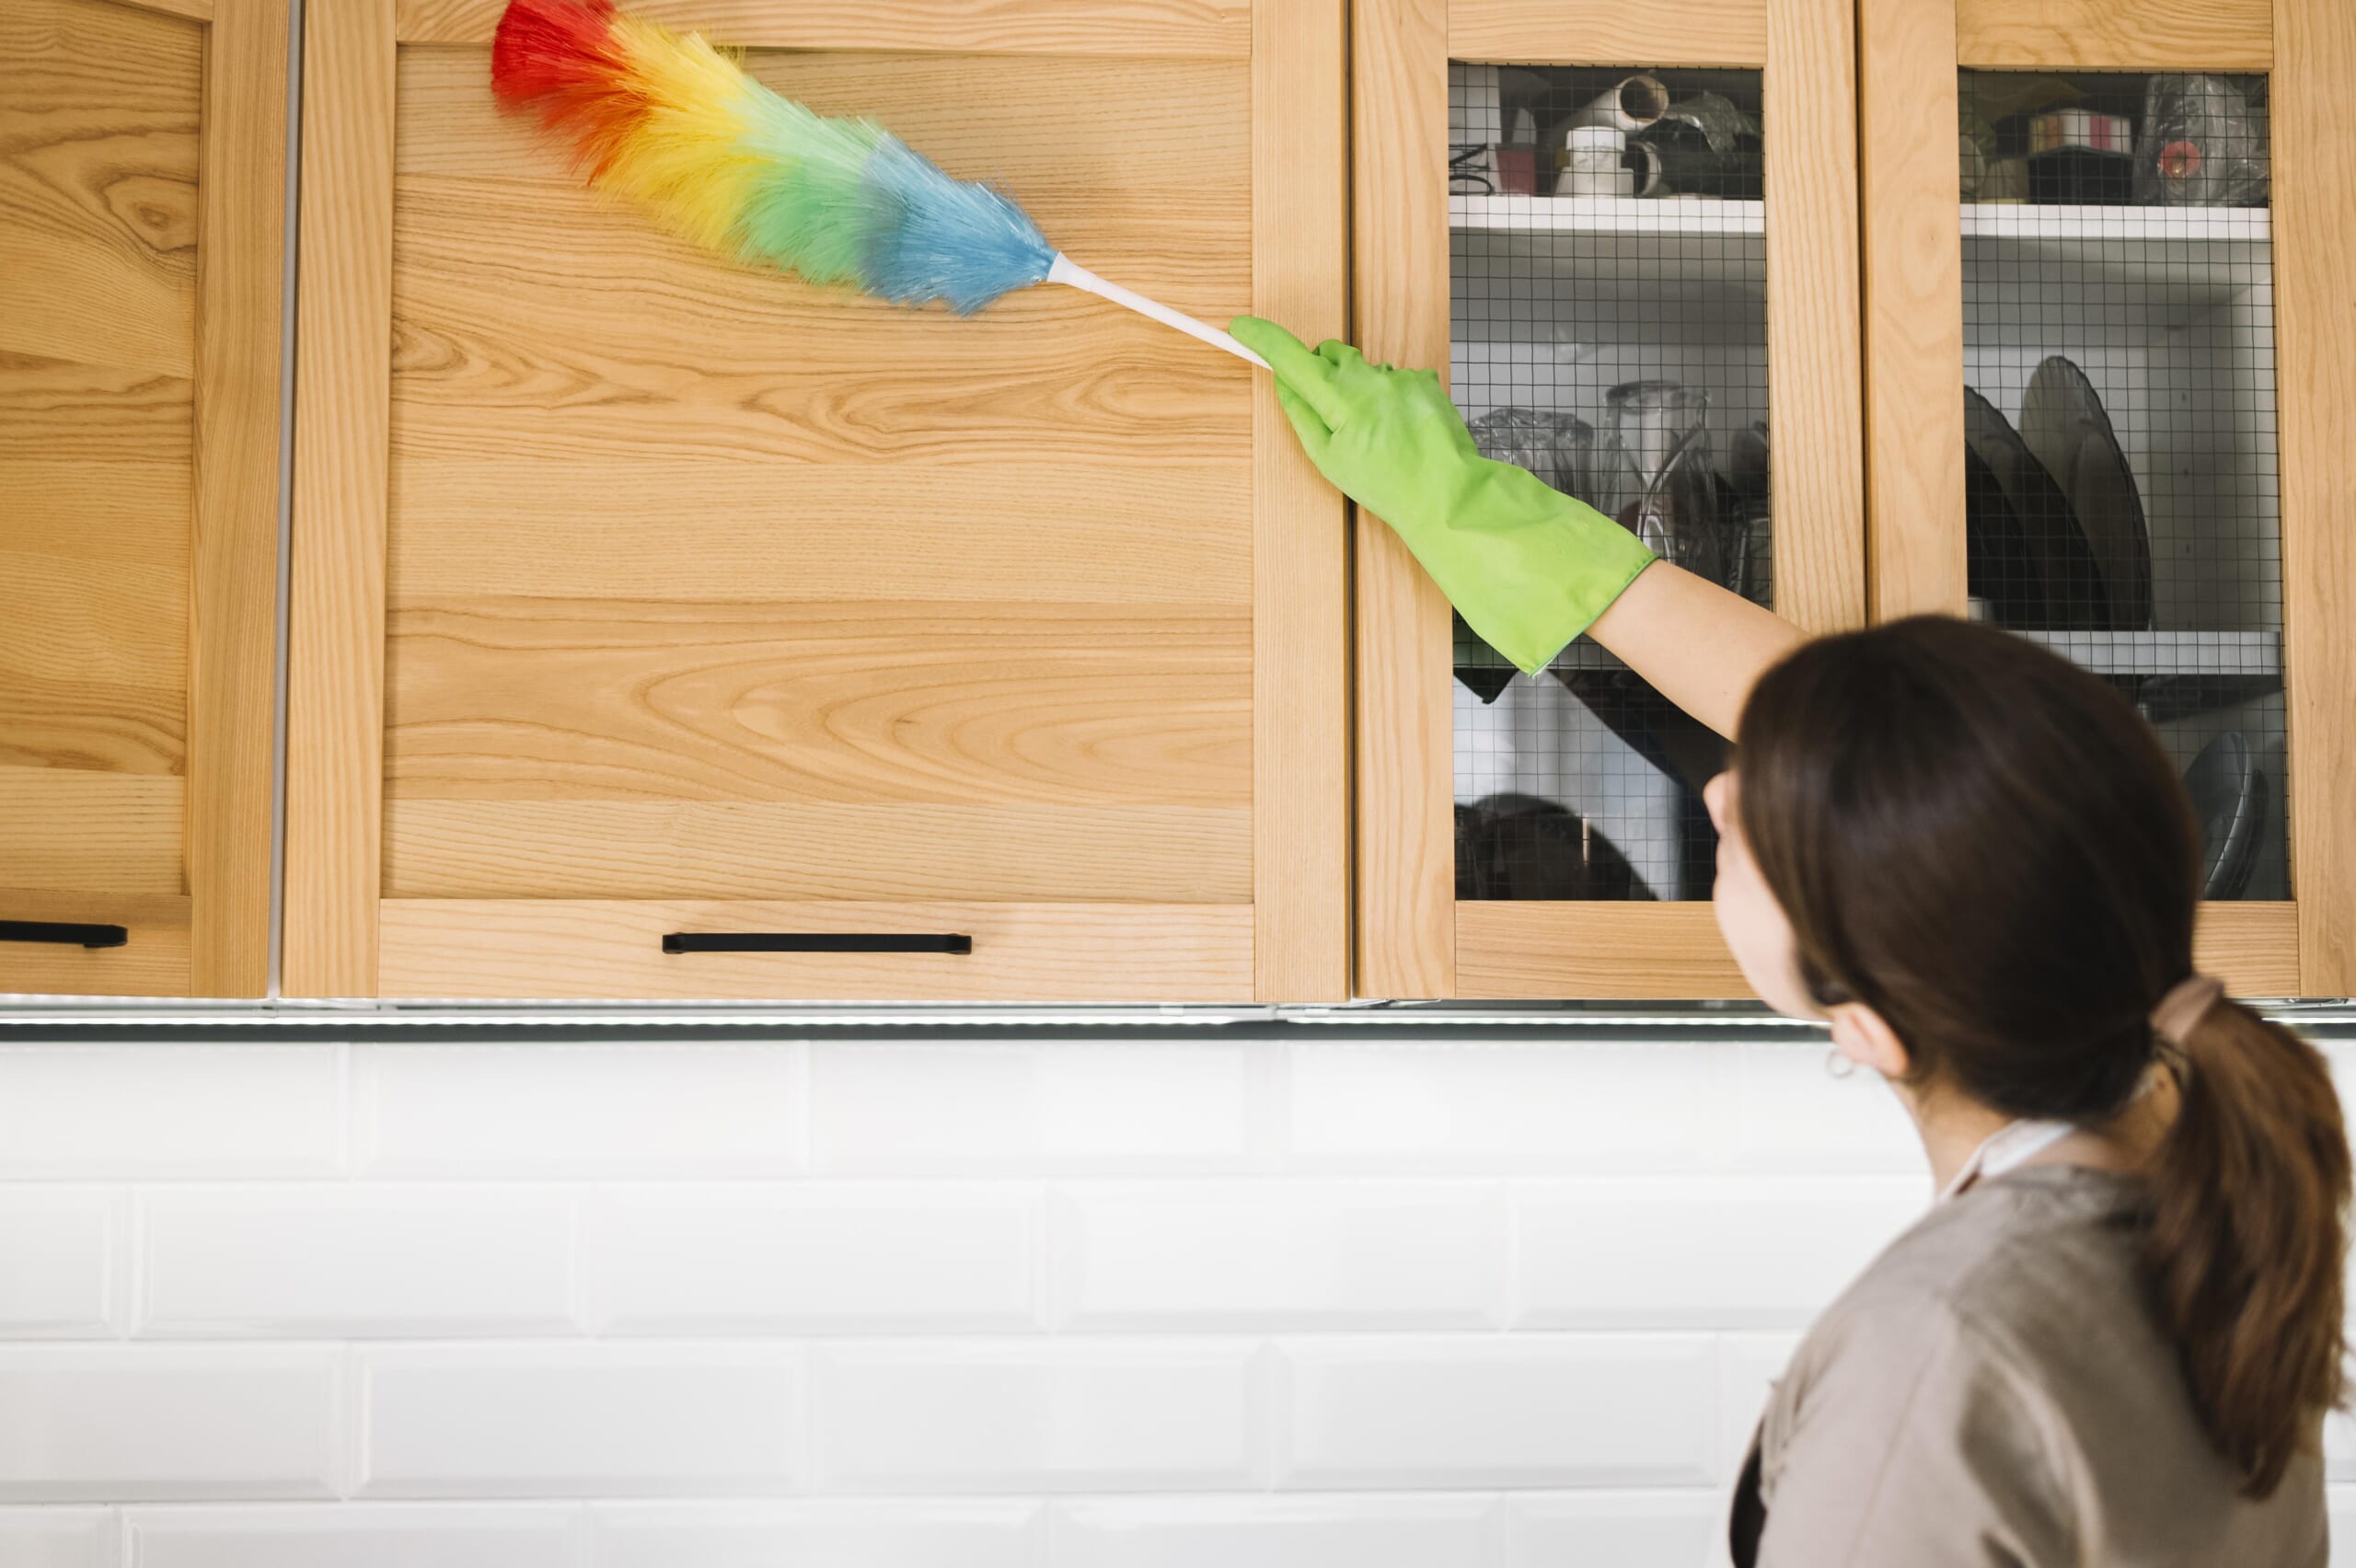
2063,422
2055,541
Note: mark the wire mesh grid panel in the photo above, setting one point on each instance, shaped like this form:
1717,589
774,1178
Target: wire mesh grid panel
2118,415
1608,332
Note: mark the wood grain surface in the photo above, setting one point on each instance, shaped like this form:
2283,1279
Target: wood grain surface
343,390
233,704
698,582
100,113
1508,950
2117,35
1049,953
1300,595
1914,307
90,833
1054,531
153,961
2315,322
463,847
2253,948
1610,32
1815,355
1668,952
543,699
1161,29
1405,741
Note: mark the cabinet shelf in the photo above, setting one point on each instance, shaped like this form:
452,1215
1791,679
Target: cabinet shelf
2194,257
2222,654
1608,238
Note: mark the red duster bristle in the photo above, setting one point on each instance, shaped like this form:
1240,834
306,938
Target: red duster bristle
551,46
560,58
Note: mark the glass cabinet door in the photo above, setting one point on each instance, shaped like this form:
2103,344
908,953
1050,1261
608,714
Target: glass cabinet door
1626,231
2118,477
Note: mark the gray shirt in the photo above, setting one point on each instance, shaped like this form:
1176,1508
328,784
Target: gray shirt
1994,1390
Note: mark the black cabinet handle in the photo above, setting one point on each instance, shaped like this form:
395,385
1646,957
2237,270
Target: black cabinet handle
818,941
67,933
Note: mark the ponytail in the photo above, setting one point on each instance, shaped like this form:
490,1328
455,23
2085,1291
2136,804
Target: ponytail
2248,1242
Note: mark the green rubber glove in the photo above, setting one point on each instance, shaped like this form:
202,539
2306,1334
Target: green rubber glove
1528,567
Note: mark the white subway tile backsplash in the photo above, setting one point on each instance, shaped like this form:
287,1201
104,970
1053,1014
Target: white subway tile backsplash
1276,1532
1536,1106
1238,1255
1739,1252
1614,1529
357,1535
1536,1410
559,1421
127,1423
354,1261
1011,1108
1788,1112
83,1110
58,1261
58,1538
820,1533
782,1259
1749,1367
1130,1415
658,1108
2341,1501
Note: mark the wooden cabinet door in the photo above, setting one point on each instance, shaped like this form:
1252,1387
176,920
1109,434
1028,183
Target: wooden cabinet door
638,595
142,200
1535,838
2180,252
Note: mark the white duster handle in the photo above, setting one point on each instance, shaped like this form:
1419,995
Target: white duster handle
1066,270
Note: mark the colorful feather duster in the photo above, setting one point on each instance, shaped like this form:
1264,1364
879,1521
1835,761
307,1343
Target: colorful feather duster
675,125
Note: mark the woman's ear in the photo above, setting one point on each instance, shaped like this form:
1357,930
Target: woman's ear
1865,1038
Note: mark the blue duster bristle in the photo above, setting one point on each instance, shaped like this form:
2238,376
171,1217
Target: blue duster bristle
935,238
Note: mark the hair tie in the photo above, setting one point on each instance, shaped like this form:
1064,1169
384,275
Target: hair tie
2185,1006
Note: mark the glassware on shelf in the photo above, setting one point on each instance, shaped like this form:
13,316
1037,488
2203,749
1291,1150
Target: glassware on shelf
1657,481
1557,448
2202,146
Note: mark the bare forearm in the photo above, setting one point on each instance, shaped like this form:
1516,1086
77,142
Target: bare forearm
1699,646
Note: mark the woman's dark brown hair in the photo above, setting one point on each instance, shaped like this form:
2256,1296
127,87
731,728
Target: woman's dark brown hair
1989,846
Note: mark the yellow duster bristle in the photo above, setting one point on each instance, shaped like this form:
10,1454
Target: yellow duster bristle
688,160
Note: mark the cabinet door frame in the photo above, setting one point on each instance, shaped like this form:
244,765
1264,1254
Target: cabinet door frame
214,939
1414,938
1910,53
1296,926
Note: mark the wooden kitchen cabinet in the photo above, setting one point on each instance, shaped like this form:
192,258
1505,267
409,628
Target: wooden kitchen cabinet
1543,838
640,597
141,201
2219,341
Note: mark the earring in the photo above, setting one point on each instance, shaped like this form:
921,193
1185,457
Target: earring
1837,1066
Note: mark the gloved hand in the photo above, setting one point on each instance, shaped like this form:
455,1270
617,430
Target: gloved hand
1528,567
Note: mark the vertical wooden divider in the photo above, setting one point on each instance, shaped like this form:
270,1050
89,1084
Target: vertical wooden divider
232,609
343,380
1300,785
1914,307
2315,322
1815,355
1406,837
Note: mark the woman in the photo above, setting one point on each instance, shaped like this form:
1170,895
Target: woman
2114,1338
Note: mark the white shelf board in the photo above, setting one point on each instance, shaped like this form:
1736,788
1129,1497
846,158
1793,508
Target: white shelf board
2143,225
2230,653
1606,240
2187,255
1678,216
